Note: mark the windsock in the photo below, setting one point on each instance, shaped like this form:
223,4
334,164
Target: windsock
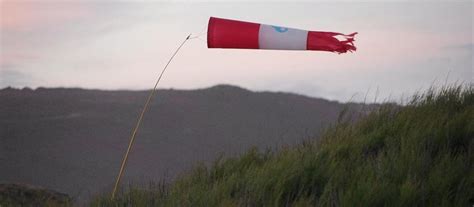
226,33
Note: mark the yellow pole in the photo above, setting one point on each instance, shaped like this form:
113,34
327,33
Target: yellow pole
140,118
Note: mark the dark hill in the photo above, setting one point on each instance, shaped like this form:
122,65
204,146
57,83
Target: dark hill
72,140
420,154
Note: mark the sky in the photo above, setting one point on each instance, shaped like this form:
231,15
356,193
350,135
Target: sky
402,46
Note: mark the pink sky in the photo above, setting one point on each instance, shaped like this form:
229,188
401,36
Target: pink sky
402,47
23,16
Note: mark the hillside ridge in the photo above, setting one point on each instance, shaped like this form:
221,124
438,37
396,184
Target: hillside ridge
73,139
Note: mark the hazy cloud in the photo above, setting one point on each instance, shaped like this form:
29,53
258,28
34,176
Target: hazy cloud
24,16
468,47
402,46
15,78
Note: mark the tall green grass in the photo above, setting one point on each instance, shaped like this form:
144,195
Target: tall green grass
420,154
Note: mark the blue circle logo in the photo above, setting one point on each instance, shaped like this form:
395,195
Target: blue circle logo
280,29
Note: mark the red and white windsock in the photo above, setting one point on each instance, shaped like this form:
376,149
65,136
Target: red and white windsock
226,33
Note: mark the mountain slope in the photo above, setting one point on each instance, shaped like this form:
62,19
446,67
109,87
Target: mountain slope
417,155
73,140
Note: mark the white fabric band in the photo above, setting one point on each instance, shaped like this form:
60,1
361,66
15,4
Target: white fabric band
273,37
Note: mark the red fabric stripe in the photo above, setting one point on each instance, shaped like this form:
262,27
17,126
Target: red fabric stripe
326,41
224,33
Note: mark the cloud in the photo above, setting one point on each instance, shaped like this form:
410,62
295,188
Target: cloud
469,47
10,60
15,79
24,25
30,16
89,40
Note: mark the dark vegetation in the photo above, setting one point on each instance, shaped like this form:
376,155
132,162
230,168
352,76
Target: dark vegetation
420,154
25,195
72,140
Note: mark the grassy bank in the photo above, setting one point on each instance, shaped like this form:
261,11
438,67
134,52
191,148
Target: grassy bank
420,154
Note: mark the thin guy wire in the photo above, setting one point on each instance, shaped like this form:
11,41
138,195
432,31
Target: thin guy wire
145,107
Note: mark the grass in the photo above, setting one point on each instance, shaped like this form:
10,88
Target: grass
420,154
